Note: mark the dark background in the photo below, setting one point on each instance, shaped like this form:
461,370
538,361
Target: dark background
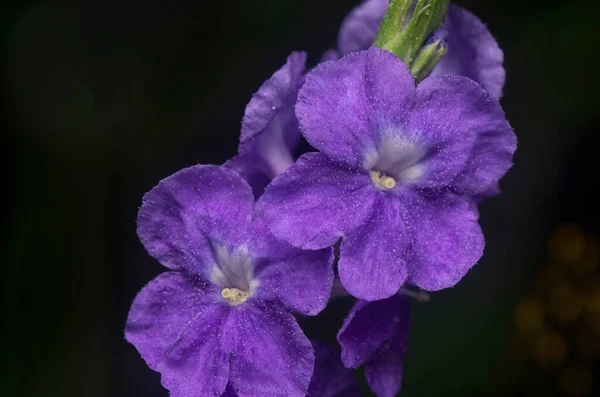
102,100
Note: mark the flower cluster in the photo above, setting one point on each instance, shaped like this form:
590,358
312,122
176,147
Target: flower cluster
400,163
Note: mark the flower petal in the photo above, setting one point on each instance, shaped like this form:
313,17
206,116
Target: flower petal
253,169
269,127
229,392
174,326
309,204
330,378
451,116
301,281
369,326
490,158
384,371
472,51
343,105
447,241
187,211
360,27
330,55
270,356
373,258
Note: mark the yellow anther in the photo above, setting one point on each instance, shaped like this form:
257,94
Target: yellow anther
382,181
235,296
388,182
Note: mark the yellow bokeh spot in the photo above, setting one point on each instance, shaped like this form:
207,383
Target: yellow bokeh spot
566,245
592,309
591,256
587,343
565,304
529,315
549,349
576,380
551,277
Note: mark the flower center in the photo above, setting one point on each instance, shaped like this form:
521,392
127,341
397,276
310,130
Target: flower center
235,296
394,161
234,273
382,181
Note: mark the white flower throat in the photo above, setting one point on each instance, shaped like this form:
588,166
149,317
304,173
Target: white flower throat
234,273
395,161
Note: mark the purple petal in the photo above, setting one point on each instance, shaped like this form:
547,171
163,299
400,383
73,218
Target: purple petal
263,244
269,127
447,241
301,281
373,258
253,169
330,55
450,113
310,204
360,27
330,378
174,326
369,326
344,105
384,371
472,51
187,211
270,356
492,191
469,142
229,392
491,156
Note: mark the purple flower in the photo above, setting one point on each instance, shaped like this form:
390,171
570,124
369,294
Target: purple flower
269,128
395,175
472,50
375,334
330,378
221,316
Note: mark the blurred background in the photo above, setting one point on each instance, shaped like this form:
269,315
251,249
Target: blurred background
103,99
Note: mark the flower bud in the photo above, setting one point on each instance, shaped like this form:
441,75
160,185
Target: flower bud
407,24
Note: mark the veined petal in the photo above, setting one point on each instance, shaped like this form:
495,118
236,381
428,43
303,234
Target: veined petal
373,258
447,241
316,201
270,356
490,159
175,326
376,334
269,127
253,169
182,217
369,326
360,27
472,51
330,378
384,371
330,55
229,392
301,281
344,105
450,112
469,144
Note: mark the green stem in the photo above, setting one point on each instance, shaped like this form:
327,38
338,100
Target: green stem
405,27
